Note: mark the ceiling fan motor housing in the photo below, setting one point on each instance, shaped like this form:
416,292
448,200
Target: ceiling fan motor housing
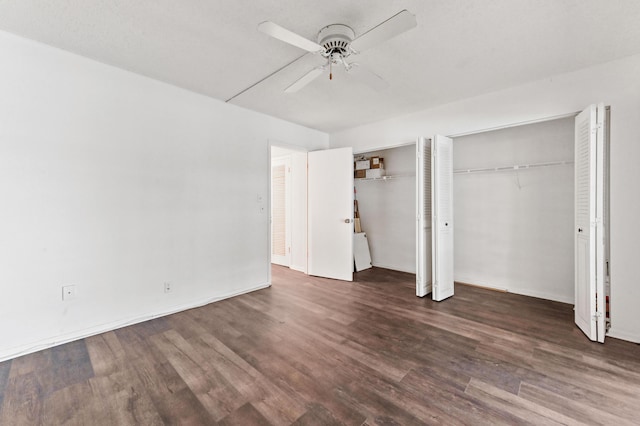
336,39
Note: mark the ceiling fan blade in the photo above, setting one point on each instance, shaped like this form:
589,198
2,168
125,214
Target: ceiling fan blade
283,34
368,77
304,80
397,24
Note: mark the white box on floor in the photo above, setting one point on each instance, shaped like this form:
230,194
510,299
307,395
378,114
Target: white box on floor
361,254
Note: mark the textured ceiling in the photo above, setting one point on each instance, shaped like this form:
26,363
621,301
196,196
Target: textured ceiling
459,49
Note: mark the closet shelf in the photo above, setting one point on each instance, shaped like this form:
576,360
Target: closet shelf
512,168
390,177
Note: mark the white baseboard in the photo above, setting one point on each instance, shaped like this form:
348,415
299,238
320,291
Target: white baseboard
524,292
298,268
542,295
114,325
393,268
624,335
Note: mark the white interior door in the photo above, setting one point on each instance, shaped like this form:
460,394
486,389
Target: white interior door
330,224
281,211
589,229
442,217
423,217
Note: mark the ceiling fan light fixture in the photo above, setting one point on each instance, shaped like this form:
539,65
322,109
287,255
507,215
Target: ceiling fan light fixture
336,42
336,38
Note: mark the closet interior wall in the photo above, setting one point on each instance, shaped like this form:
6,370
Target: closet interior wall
514,228
387,210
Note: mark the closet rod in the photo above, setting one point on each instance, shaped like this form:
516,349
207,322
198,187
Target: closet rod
512,168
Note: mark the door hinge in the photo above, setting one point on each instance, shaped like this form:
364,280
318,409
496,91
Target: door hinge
597,316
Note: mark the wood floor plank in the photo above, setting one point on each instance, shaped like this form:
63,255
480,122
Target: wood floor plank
419,405
215,393
172,398
5,369
525,410
317,415
31,362
73,405
313,351
106,353
23,401
581,412
378,410
545,375
245,415
121,399
455,403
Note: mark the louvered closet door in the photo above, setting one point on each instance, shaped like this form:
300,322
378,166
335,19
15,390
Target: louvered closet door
442,217
589,241
280,203
423,217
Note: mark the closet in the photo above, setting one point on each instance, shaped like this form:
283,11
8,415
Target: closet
531,212
386,207
407,212
514,197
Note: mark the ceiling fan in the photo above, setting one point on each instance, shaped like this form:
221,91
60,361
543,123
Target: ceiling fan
337,42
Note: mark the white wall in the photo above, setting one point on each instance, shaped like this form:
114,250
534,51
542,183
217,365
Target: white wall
117,183
388,210
616,84
514,229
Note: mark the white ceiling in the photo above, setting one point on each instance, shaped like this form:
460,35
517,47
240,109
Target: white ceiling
459,49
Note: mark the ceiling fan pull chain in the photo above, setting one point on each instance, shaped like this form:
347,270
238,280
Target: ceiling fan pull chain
330,70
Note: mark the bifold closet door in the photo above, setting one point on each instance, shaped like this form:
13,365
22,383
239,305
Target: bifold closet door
589,307
423,217
442,217
330,213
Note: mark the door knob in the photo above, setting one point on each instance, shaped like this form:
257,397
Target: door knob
579,229
347,221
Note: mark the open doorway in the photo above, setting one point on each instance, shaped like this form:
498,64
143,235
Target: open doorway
288,207
311,210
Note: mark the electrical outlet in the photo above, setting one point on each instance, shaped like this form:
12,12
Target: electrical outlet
68,292
168,287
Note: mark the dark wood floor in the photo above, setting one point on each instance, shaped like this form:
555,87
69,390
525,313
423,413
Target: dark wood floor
316,351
